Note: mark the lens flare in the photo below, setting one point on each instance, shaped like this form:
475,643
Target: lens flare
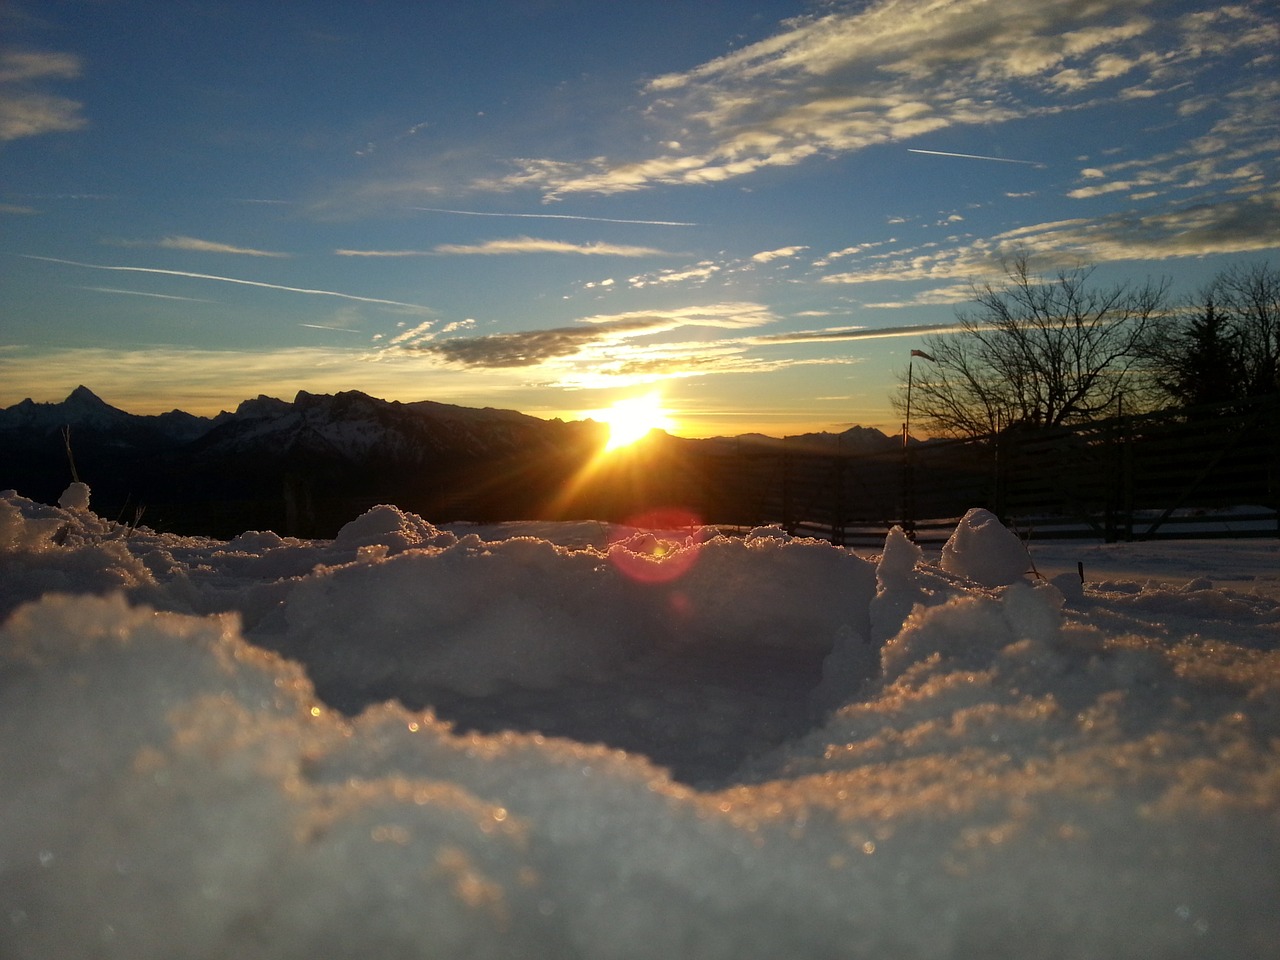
657,547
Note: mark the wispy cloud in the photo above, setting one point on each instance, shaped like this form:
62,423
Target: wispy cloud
764,256
18,66
27,110
599,332
517,245
851,333
514,245
233,280
211,246
895,70
1221,224
381,253
1238,152
700,271
730,315
555,216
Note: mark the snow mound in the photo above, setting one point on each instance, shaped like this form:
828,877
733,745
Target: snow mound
985,551
995,773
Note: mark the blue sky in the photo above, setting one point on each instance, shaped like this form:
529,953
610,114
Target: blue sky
549,205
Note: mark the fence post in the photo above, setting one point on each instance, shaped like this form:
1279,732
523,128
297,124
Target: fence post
788,521
1002,455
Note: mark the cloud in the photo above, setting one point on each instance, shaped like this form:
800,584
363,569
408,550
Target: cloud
1238,151
518,245
413,334
1214,225
18,66
730,315
555,216
764,256
382,253
851,333
525,349
956,293
535,347
31,114
210,246
1218,226
842,81
26,110
232,280
703,270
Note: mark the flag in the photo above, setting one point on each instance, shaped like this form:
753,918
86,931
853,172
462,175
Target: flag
921,353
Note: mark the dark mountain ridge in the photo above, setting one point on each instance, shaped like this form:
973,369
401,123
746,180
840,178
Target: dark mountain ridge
308,465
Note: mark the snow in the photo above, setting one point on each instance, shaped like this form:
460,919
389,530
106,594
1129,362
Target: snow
579,740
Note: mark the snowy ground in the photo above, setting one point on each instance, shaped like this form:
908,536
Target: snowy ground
573,740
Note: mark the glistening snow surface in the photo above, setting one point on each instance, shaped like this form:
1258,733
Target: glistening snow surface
869,757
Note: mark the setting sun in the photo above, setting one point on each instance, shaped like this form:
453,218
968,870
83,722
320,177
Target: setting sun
633,418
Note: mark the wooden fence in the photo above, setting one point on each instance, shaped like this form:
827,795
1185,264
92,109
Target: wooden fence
1204,472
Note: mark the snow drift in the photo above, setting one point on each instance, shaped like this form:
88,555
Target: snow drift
923,760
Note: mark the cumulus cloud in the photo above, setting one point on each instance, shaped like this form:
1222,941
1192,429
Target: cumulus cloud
27,110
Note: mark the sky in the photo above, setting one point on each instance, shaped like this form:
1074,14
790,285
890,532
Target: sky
754,208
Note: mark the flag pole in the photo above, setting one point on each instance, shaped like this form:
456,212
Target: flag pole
908,461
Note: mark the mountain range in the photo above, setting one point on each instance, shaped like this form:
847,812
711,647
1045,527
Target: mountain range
307,465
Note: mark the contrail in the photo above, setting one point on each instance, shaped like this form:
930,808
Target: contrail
247,283
140,293
556,216
856,333
974,156
321,326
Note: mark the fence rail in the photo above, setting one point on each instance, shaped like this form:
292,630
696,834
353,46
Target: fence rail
1202,472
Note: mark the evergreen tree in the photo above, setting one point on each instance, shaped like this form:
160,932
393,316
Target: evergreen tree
1225,343
1206,367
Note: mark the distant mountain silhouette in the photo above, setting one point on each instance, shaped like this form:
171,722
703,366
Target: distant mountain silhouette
308,465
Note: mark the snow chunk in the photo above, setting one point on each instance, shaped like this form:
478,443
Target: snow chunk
985,551
773,531
75,497
392,527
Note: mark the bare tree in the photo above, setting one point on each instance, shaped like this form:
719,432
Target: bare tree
1036,351
1250,296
